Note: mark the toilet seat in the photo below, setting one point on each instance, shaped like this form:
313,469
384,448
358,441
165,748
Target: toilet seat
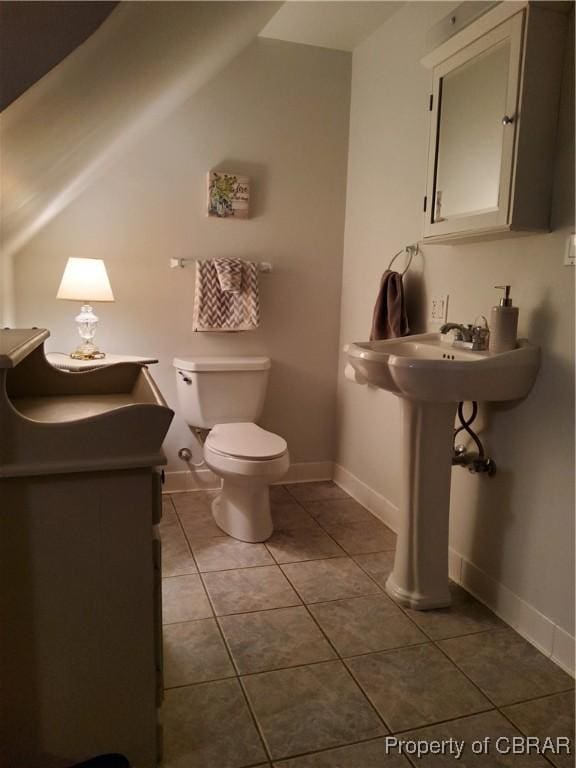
246,441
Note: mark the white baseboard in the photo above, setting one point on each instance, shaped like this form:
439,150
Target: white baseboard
308,471
379,505
190,480
538,629
205,480
563,649
528,621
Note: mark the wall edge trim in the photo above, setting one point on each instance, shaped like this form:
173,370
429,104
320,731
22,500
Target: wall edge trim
205,480
539,630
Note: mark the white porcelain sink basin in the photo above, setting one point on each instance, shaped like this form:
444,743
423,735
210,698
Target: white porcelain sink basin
423,368
430,378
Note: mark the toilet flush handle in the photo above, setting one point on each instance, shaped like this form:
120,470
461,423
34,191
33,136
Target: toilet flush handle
185,378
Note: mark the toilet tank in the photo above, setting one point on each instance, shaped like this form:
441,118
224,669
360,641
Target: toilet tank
221,390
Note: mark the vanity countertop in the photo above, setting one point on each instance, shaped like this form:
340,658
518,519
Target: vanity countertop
66,363
16,344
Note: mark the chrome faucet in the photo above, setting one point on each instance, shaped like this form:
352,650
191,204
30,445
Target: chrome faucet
470,336
464,332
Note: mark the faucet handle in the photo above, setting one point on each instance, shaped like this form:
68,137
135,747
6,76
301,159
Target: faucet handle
480,334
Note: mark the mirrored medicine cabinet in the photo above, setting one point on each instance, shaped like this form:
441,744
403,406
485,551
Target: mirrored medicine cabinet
494,109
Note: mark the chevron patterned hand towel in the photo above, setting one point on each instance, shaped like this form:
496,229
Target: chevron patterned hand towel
218,310
229,273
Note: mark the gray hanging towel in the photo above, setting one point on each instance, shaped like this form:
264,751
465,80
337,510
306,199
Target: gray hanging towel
389,319
228,310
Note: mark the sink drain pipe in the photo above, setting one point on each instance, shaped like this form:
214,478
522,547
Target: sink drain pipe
474,461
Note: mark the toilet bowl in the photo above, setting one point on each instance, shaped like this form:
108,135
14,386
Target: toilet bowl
226,395
248,459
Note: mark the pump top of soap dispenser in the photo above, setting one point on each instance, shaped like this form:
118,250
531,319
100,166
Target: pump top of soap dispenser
506,300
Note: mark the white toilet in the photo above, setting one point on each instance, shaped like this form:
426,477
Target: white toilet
226,396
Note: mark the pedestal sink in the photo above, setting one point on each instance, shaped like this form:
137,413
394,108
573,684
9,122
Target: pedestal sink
431,378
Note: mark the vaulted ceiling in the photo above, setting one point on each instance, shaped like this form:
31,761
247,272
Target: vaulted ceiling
35,36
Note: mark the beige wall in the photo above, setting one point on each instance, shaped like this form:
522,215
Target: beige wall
279,113
140,65
517,527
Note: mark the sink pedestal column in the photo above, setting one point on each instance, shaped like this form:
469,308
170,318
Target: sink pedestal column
420,576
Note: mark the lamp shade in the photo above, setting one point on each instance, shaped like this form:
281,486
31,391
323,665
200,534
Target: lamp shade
85,280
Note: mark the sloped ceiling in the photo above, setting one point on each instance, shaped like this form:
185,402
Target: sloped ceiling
143,62
341,25
35,36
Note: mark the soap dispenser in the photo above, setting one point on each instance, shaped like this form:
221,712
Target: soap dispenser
503,323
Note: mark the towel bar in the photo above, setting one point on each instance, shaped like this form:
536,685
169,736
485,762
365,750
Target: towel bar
263,266
410,250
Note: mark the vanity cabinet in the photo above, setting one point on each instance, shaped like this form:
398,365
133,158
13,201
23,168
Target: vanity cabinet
80,581
494,109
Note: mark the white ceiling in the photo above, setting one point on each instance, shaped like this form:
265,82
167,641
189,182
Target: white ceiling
341,25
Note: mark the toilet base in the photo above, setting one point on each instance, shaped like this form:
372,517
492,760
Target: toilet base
243,512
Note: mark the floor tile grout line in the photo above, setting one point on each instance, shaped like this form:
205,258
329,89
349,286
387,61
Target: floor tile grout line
315,602
255,720
346,744
184,537
184,534
465,634
405,610
536,698
520,731
457,719
436,723
483,693
237,676
339,657
305,560
287,486
326,750
227,645
406,613
280,607
293,498
178,575
185,621
275,562
435,643
233,676
287,667
395,648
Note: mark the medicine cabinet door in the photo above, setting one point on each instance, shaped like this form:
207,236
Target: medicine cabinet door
474,123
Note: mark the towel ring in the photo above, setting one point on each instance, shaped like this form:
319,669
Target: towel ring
410,250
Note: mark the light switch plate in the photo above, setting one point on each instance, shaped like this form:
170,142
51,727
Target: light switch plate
439,309
570,252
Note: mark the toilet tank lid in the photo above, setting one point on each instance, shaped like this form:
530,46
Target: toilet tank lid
222,363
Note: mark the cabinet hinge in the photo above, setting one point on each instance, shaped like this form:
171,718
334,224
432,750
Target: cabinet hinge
425,202
431,102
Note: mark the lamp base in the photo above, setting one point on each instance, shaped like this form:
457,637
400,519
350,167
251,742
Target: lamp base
87,322
87,351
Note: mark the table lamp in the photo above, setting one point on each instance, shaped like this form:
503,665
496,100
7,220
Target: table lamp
85,280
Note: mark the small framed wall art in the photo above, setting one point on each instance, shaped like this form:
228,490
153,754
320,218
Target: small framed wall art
228,195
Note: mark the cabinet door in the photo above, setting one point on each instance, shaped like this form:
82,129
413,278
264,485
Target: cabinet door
473,132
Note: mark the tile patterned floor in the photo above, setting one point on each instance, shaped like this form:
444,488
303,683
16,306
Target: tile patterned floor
290,654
